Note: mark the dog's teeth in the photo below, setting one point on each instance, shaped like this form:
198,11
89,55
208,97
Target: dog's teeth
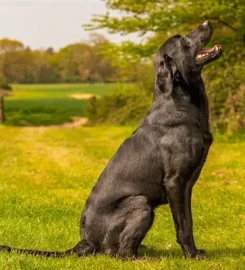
200,56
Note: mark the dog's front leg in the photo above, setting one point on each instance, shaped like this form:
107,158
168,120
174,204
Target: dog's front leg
179,196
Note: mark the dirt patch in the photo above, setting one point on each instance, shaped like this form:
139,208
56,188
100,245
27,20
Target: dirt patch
76,122
81,96
4,93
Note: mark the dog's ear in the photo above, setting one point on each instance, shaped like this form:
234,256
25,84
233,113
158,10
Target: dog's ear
164,73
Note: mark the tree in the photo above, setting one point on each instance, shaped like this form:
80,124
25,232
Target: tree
79,62
156,20
162,16
10,64
66,62
43,70
83,61
95,62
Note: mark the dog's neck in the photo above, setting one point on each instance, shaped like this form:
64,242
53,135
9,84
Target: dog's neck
185,98
186,93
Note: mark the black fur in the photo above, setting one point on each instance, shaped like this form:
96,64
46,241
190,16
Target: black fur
158,164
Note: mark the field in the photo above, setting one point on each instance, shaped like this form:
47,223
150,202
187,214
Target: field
49,104
46,176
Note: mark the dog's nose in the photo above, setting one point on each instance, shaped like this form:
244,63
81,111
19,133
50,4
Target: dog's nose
206,23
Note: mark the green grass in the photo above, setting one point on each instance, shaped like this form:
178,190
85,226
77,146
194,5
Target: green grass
47,173
46,176
36,105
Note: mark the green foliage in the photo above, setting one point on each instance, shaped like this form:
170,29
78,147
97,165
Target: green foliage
161,16
5,86
84,62
233,115
158,20
126,104
47,174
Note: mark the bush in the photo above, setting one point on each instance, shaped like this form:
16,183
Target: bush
126,104
233,115
224,83
5,86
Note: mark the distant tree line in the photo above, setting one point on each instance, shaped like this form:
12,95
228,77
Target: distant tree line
79,62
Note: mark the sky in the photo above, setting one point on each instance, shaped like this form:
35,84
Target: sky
51,23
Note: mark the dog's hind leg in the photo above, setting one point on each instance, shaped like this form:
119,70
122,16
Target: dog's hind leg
83,248
137,217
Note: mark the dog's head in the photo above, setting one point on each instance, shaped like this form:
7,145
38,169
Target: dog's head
182,57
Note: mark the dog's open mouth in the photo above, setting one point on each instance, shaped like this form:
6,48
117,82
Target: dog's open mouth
206,56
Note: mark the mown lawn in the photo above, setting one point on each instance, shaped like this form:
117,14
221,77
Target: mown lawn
47,173
35,105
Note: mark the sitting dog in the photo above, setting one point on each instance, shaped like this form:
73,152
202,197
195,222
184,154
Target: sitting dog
159,163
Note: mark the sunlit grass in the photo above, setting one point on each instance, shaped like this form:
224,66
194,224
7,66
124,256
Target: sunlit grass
46,91
46,176
47,173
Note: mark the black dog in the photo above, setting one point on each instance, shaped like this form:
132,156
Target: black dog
159,163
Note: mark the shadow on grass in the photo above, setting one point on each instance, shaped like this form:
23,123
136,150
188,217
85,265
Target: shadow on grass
157,254
219,253
226,252
43,112
154,253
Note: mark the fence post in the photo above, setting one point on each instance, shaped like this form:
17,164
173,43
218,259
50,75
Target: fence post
1,110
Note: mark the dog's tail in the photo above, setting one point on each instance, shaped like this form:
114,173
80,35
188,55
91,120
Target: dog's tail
83,248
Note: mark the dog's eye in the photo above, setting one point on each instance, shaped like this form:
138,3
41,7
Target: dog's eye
177,76
161,63
168,59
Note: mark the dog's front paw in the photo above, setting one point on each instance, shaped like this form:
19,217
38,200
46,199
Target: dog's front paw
198,255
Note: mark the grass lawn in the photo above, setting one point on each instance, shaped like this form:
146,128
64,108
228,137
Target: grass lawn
47,174
36,105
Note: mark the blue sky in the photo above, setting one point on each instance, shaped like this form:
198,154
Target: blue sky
55,23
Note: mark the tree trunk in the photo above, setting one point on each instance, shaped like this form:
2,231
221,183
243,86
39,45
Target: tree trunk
1,110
